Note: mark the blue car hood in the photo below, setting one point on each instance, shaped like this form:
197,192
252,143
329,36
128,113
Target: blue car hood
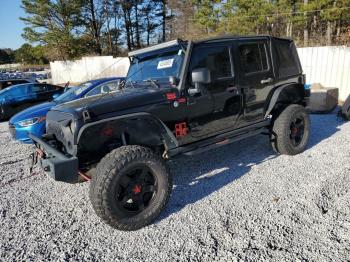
34,111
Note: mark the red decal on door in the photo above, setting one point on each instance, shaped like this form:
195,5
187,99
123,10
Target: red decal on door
181,129
108,132
182,100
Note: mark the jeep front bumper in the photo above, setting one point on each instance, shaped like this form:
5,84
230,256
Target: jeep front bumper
59,166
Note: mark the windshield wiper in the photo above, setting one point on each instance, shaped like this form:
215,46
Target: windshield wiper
154,82
131,82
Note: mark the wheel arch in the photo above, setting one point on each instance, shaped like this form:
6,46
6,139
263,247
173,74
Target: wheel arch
284,95
135,129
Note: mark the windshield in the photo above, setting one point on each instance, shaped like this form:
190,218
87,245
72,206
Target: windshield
157,66
73,93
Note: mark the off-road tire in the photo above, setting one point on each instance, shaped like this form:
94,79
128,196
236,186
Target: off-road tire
103,186
345,110
281,130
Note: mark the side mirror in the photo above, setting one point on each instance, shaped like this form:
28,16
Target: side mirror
201,76
194,91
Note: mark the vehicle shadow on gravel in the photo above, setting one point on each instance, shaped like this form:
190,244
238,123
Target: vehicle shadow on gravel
324,126
199,176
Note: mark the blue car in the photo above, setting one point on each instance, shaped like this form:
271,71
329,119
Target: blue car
32,120
16,98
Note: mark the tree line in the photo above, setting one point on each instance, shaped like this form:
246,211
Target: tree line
26,54
72,28
69,29
308,22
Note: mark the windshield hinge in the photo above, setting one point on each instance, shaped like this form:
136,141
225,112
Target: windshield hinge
86,115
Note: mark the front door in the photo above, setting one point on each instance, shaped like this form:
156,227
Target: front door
216,108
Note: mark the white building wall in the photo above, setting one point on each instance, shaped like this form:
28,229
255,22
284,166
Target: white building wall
328,65
88,68
9,66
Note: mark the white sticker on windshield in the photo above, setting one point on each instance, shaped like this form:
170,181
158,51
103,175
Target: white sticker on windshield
165,64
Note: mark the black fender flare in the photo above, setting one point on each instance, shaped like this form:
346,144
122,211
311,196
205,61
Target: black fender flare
286,93
143,128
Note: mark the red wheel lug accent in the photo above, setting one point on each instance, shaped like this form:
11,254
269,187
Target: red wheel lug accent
137,189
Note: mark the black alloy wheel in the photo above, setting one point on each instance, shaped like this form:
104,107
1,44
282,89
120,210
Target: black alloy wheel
297,129
131,187
136,190
291,130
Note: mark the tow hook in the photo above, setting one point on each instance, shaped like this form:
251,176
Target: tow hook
165,153
84,176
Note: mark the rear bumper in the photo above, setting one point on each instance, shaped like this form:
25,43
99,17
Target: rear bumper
307,102
59,166
307,98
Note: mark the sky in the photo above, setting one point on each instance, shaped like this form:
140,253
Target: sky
11,27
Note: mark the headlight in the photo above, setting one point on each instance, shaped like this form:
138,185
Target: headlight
31,121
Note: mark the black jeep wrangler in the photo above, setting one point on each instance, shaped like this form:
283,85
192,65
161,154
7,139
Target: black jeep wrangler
180,98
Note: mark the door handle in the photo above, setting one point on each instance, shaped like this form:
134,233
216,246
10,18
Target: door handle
266,81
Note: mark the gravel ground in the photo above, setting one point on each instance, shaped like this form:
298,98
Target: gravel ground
239,202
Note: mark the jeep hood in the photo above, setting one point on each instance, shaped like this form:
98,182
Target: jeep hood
130,99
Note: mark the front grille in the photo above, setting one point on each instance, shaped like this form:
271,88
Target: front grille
58,124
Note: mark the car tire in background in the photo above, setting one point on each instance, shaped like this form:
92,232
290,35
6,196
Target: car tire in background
345,110
291,130
2,113
131,187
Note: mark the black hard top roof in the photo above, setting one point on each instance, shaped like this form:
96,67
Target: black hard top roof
209,40
240,37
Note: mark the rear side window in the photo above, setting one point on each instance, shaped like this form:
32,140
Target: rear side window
287,58
253,58
38,88
216,59
52,88
18,91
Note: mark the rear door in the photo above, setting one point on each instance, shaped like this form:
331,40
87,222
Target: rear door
17,98
39,93
217,107
256,77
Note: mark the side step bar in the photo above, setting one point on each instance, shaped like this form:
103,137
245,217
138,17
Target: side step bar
221,139
224,142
